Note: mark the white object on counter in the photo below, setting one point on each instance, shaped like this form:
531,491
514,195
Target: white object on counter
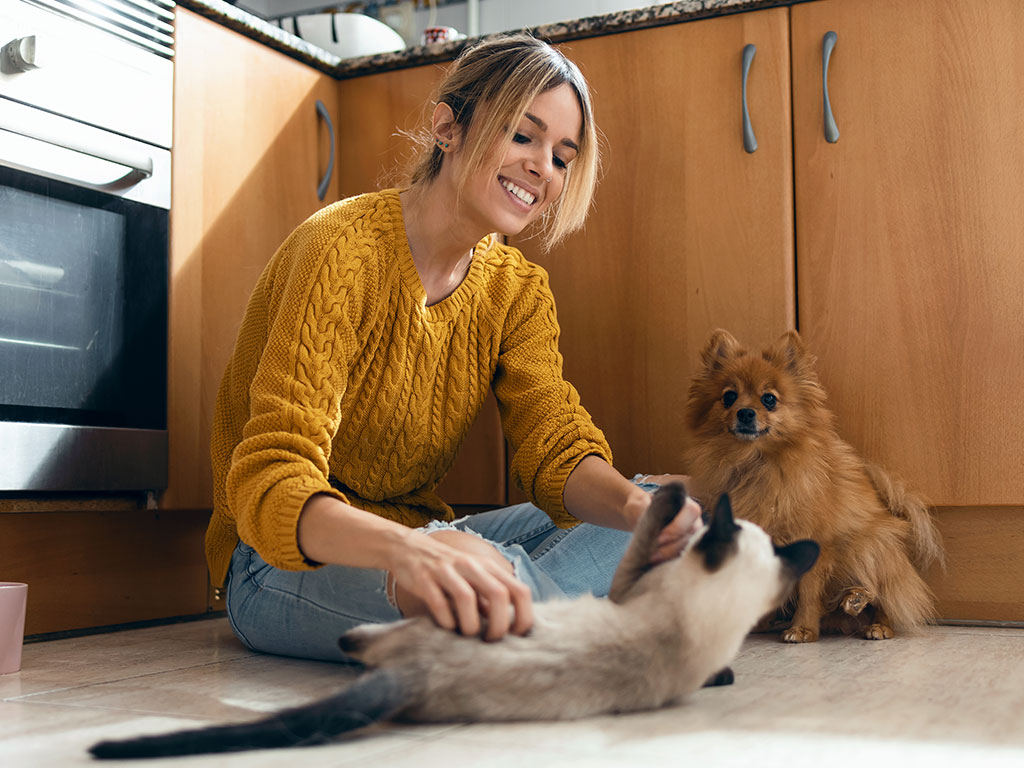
356,34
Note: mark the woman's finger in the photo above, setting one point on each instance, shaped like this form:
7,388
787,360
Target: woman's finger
463,599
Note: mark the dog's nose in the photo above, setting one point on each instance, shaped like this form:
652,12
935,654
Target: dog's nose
746,416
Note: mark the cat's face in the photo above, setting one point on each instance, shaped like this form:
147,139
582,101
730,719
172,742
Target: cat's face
742,567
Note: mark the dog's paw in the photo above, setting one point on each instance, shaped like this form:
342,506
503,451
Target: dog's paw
878,632
855,601
800,635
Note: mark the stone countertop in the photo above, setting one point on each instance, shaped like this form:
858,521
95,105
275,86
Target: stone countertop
592,26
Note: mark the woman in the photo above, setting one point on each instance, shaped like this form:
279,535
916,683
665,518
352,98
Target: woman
368,347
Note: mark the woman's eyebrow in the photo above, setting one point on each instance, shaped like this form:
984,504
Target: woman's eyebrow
544,127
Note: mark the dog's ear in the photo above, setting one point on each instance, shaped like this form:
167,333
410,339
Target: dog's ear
790,354
721,346
719,540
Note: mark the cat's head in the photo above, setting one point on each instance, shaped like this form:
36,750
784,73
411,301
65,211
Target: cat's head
744,566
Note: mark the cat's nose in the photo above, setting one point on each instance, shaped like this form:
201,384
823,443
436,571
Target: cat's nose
746,416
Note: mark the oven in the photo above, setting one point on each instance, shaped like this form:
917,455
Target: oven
85,175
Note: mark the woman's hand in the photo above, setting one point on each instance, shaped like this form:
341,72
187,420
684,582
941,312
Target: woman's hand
675,535
460,580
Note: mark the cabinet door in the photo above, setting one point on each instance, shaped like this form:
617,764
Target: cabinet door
374,111
688,231
248,153
909,236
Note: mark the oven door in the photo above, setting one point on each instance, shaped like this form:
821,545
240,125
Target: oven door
83,306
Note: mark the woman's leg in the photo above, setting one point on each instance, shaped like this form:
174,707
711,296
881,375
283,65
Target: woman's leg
301,613
554,562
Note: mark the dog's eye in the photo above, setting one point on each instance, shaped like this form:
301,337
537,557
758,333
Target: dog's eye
729,398
769,400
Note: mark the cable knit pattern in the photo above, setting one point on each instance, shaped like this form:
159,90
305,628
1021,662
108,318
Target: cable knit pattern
343,381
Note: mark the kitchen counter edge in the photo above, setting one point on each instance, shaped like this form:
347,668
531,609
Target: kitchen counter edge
591,26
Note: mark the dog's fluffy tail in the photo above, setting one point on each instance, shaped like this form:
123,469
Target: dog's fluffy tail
926,543
374,696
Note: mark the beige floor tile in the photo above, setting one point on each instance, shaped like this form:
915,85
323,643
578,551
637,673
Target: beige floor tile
59,664
952,696
237,689
990,660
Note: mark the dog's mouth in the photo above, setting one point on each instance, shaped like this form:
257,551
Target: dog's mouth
749,433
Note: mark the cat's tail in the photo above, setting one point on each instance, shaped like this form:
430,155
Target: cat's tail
372,697
926,543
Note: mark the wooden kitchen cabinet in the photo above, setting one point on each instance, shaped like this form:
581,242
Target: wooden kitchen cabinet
910,280
688,232
249,151
909,236
373,112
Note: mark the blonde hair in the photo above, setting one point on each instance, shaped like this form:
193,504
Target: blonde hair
489,88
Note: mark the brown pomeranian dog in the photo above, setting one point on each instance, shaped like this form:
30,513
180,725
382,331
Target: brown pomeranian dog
759,430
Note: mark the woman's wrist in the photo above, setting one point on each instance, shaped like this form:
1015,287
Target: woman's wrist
333,532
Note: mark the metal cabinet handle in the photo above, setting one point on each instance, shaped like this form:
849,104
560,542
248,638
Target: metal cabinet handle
321,189
831,131
749,142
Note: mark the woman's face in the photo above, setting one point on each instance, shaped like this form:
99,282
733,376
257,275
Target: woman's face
544,143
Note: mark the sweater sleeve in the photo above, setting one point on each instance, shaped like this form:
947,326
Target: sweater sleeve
541,414
295,395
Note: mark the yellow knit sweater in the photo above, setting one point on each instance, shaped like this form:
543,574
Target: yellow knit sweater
343,381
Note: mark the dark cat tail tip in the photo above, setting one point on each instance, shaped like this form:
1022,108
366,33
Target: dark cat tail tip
117,750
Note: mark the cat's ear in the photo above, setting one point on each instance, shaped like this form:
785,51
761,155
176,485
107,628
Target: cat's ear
800,556
719,540
721,346
790,354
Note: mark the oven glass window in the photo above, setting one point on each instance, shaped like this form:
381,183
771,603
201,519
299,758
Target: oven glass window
61,277
82,305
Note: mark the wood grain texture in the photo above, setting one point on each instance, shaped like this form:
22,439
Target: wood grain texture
92,569
248,153
984,575
909,236
688,232
376,115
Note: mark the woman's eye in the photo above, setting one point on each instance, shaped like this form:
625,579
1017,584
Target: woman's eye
519,138
729,398
559,162
769,401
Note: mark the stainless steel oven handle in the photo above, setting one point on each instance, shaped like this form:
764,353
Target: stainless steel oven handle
140,165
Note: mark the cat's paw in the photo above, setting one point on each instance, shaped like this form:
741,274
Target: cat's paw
722,677
855,601
799,635
878,632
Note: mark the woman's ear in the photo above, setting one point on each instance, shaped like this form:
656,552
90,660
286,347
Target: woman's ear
444,128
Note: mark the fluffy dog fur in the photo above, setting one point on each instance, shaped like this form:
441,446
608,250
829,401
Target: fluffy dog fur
758,429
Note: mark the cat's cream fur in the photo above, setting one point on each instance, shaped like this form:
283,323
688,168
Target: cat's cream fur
664,631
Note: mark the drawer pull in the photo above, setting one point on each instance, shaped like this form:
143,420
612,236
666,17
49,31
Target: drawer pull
749,142
321,189
831,131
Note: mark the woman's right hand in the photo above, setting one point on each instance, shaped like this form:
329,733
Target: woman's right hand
460,580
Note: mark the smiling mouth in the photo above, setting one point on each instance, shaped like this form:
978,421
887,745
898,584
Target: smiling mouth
747,433
520,194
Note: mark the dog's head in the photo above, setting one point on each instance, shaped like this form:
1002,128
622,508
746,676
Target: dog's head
771,398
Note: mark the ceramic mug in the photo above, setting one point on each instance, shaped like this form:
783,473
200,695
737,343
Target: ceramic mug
440,35
13,598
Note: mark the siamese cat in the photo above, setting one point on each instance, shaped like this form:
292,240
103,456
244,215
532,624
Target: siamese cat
664,631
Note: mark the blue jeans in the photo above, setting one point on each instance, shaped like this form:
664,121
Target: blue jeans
303,613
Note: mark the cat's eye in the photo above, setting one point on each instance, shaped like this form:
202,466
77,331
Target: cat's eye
769,401
729,398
